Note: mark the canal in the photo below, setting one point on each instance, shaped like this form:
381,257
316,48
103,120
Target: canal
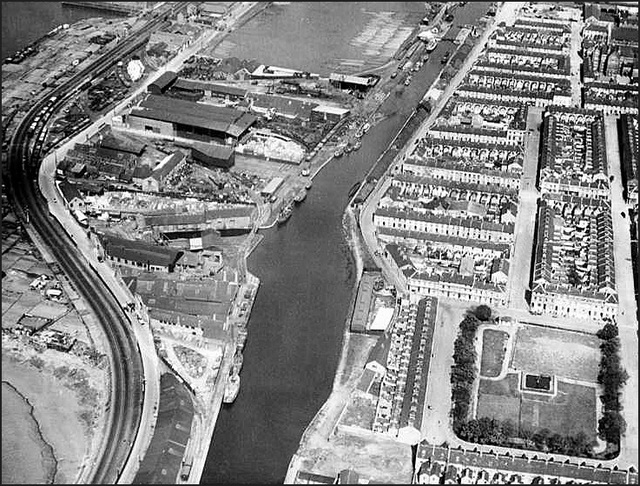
307,276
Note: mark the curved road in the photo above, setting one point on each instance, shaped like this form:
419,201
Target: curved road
127,372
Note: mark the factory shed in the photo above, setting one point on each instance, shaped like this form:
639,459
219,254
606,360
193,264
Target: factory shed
210,89
173,117
163,83
347,81
363,303
328,113
211,155
271,187
110,142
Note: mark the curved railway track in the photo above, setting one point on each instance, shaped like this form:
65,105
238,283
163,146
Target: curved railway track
127,380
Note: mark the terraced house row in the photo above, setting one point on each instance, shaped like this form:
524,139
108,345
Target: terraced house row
574,273
573,153
406,366
438,465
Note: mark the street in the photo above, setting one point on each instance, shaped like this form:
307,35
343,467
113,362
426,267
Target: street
626,318
520,265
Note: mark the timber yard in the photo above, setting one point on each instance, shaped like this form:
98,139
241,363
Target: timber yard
144,166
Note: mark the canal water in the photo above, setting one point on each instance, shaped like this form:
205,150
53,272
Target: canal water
307,276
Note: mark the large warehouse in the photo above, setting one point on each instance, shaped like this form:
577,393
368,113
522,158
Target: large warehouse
187,119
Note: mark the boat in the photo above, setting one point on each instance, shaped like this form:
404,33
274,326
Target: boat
357,145
354,189
339,152
407,81
300,196
308,185
285,214
431,46
365,127
238,359
231,389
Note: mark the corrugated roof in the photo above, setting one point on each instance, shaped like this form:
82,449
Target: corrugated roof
165,80
193,85
172,110
139,251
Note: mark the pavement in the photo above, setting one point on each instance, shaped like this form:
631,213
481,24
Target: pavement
576,61
520,265
627,309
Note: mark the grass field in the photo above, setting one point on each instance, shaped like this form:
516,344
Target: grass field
493,352
573,409
562,353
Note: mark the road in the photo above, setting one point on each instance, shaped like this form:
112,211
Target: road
627,309
520,265
506,13
436,426
127,380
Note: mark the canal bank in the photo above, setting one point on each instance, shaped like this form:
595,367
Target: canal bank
298,321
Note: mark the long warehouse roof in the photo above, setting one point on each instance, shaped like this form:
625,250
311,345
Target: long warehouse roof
163,108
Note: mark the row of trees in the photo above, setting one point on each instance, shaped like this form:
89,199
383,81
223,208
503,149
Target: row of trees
505,433
463,372
612,376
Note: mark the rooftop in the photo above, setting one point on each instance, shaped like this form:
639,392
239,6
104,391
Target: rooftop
231,121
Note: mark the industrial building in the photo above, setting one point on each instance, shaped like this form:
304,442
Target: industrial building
138,254
163,83
186,119
210,155
357,83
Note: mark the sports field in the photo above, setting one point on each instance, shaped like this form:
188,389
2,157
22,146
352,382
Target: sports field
567,356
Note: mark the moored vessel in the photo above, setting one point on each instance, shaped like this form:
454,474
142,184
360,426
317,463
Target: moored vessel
231,389
302,194
285,214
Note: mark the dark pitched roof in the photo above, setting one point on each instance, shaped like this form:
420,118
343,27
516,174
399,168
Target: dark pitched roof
139,251
193,85
69,191
228,120
165,80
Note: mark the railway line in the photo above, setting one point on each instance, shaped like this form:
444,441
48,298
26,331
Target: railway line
25,149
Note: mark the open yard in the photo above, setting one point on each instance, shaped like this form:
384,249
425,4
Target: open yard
565,354
493,352
542,351
360,411
573,409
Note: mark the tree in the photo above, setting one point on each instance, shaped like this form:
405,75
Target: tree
483,312
557,443
611,426
508,428
609,331
579,444
540,437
